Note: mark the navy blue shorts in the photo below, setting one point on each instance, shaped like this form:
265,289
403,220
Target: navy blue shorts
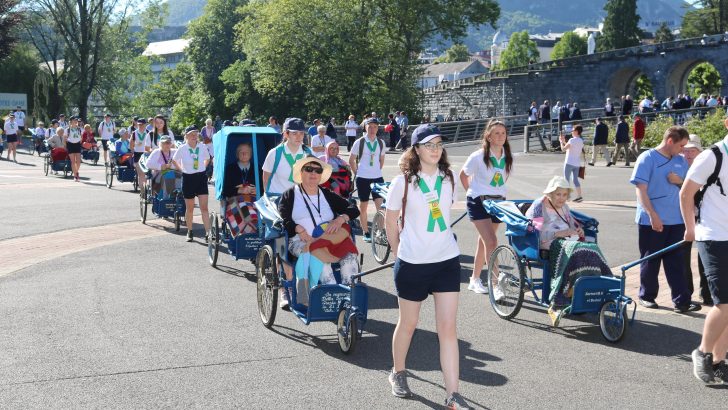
714,255
476,211
105,144
416,281
194,185
364,188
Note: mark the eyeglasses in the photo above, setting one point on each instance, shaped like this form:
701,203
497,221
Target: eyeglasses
433,146
308,168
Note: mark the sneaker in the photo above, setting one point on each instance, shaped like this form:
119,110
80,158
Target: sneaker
555,316
498,294
476,285
690,307
578,199
703,366
398,381
648,304
456,402
720,371
189,236
284,304
367,237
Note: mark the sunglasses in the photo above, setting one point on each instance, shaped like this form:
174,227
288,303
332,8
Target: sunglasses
309,168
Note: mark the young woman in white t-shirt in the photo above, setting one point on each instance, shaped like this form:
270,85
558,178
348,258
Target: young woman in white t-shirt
192,158
151,142
426,256
572,161
484,178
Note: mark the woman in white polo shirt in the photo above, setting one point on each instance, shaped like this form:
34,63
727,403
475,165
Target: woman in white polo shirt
192,158
137,143
484,177
73,145
106,130
426,256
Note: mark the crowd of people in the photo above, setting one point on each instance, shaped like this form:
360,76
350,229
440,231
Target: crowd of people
315,210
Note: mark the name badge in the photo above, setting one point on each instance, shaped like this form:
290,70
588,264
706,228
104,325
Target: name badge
431,196
435,210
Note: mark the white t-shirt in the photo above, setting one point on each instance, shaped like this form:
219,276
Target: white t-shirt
300,213
317,142
20,118
139,140
10,128
713,225
281,180
533,114
370,164
157,159
73,135
106,130
39,132
573,154
416,243
63,124
485,180
351,128
149,140
185,157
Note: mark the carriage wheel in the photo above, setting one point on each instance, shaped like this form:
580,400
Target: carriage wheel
109,170
612,322
67,168
47,165
506,272
177,221
346,329
135,183
213,243
380,245
267,285
143,206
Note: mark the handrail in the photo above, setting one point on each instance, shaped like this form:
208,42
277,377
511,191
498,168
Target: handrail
358,276
661,252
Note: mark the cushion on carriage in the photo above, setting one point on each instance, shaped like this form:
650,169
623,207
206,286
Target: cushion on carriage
87,145
124,159
59,154
241,215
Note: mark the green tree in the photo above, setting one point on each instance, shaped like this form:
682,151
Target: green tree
621,25
521,51
643,88
705,17
458,53
570,45
704,78
9,25
211,37
21,65
664,34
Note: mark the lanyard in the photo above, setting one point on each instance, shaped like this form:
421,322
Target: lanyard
291,160
108,126
195,155
557,212
497,177
434,200
306,200
373,150
166,161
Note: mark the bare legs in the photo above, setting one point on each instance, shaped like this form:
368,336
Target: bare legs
487,243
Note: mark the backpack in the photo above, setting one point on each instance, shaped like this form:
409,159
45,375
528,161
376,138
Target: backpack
361,148
279,155
712,179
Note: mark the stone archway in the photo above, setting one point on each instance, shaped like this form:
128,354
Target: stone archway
623,82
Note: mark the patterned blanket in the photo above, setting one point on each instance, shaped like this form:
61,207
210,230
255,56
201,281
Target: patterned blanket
571,260
242,216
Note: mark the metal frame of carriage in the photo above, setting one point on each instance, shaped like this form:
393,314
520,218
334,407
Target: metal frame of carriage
262,140
172,208
123,173
50,165
602,295
91,155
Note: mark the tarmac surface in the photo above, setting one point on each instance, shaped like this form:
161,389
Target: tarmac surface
100,311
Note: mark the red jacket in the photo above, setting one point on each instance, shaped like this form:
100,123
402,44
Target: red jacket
639,128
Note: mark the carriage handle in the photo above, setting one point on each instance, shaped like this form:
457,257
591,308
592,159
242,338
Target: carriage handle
358,276
651,256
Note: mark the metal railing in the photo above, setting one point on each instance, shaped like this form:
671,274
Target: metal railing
545,134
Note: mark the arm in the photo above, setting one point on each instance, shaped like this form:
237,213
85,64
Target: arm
646,204
343,210
392,229
266,177
687,208
352,161
285,207
464,179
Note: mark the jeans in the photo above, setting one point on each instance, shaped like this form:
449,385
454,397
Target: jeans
571,173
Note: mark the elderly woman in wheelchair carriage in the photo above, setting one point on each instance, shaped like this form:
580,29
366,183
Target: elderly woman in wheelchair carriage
562,241
165,177
316,220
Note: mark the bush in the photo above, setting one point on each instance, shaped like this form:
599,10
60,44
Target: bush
710,129
655,129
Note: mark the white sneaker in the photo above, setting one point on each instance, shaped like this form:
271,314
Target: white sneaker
476,285
498,294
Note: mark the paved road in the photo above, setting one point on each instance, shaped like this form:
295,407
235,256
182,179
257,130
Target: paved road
86,323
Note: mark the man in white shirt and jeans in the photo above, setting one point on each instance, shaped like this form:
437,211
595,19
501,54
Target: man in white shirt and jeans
711,234
368,169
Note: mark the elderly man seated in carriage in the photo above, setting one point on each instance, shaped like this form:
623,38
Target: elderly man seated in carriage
239,189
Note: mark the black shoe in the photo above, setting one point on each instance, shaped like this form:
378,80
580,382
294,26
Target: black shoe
648,304
591,164
578,199
720,371
707,301
609,164
367,237
189,236
690,307
703,366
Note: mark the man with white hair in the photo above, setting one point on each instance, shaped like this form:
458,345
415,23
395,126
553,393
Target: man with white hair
319,141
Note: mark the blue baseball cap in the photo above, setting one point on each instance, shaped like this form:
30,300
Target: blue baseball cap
425,133
294,124
190,129
371,120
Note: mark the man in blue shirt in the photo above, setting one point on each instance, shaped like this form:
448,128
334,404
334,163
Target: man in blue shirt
658,175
